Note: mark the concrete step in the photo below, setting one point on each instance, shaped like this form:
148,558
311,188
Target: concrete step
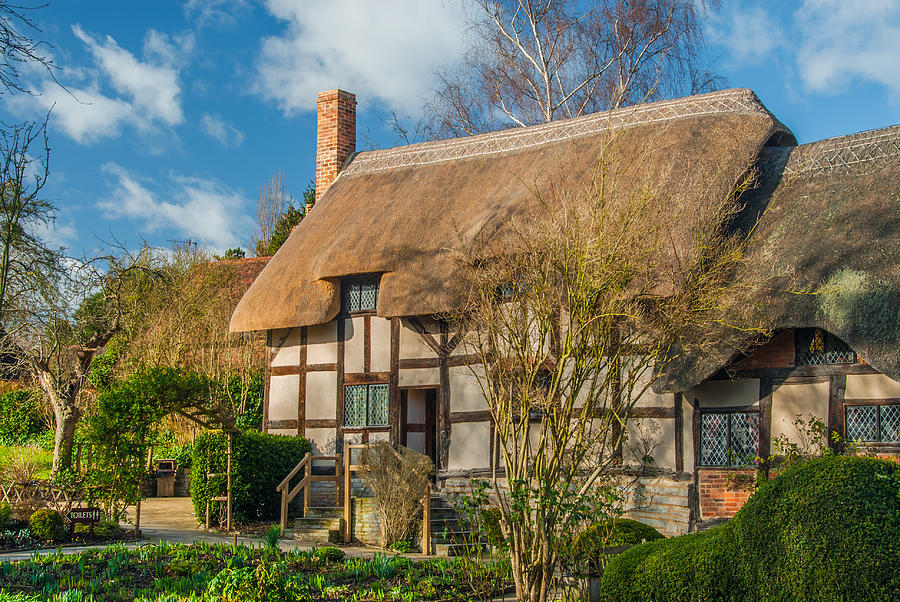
317,524
319,536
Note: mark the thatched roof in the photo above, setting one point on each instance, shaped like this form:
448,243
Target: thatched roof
828,244
400,211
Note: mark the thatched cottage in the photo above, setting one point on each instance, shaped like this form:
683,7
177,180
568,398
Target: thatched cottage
350,301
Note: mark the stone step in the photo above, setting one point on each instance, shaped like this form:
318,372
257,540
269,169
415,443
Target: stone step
324,512
317,524
317,536
452,549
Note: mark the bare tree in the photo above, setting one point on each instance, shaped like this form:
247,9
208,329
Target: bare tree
572,312
271,204
56,329
17,48
534,61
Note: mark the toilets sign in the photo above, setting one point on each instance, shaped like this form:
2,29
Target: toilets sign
84,515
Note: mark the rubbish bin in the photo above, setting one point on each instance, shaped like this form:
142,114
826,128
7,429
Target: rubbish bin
165,477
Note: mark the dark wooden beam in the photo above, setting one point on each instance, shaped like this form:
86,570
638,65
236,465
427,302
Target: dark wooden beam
367,378
766,388
443,412
837,389
268,363
471,416
321,367
367,343
339,403
393,381
321,423
426,336
282,424
284,370
301,397
652,412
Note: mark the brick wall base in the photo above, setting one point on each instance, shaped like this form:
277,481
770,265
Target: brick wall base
723,492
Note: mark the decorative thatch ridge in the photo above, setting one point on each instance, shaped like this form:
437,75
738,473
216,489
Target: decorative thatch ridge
843,152
740,100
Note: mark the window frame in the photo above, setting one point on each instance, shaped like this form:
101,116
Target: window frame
877,404
367,426
348,282
729,412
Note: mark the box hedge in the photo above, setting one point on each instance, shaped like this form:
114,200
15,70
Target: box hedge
828,529
260,461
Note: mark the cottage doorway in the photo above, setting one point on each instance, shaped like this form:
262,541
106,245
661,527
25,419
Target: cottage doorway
418,420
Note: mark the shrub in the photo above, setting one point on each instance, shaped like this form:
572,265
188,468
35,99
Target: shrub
589,548
330,554
259,462
492,531
397,479
827,529
5,515
46,525
107,529
21,419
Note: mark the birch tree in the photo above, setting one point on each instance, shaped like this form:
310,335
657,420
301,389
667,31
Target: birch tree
571,314
534,61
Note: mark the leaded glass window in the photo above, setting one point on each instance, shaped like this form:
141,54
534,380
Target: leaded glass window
365,405
816,347
359,294
873,423
730,439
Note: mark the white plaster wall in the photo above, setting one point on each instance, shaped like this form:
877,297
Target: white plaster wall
465,392
416,442
470,445
725,393
379,436
871,386
321,394
643,379
655,434
322,441
289,353
415,406
355,345
381,345
790,401
414,377
687,435
284,392
321,343
411,344
285,432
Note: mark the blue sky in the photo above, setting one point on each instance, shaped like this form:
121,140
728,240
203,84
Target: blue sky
185,107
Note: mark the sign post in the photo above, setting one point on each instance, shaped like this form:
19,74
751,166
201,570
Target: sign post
83,515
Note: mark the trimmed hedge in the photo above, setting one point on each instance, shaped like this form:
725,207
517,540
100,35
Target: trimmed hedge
828,529
47,525
259,463
589,549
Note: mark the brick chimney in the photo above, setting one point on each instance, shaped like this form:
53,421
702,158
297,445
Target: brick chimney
335,136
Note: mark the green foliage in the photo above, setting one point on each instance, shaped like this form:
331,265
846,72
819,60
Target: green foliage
20,417
826,529
272,536
259,463
491,522
589,551
330,554
5,515
47,525
233,253
107,529
169,572
254,390
125,425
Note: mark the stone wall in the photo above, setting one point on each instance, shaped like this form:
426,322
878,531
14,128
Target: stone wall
662,501
365,522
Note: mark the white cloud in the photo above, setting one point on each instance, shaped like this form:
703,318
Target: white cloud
221,130
221,13
750,33
383,51
842,41
152,88
203,209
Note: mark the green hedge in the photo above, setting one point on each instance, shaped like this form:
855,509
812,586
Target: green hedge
259,463
20,417
589,551
828,529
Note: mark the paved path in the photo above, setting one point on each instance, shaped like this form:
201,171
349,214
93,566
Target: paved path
172,519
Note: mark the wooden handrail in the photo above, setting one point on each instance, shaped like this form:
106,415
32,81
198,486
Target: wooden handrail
291,474
305,484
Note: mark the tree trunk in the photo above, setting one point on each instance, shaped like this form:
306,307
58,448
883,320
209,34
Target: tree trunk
67,415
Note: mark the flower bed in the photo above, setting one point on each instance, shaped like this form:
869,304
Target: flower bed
207,572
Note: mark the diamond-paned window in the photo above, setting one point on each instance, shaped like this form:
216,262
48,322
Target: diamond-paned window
730,439
355,403
365,405
816,347
873,423
359,294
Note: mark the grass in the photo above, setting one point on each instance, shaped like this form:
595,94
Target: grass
168,572
42,459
